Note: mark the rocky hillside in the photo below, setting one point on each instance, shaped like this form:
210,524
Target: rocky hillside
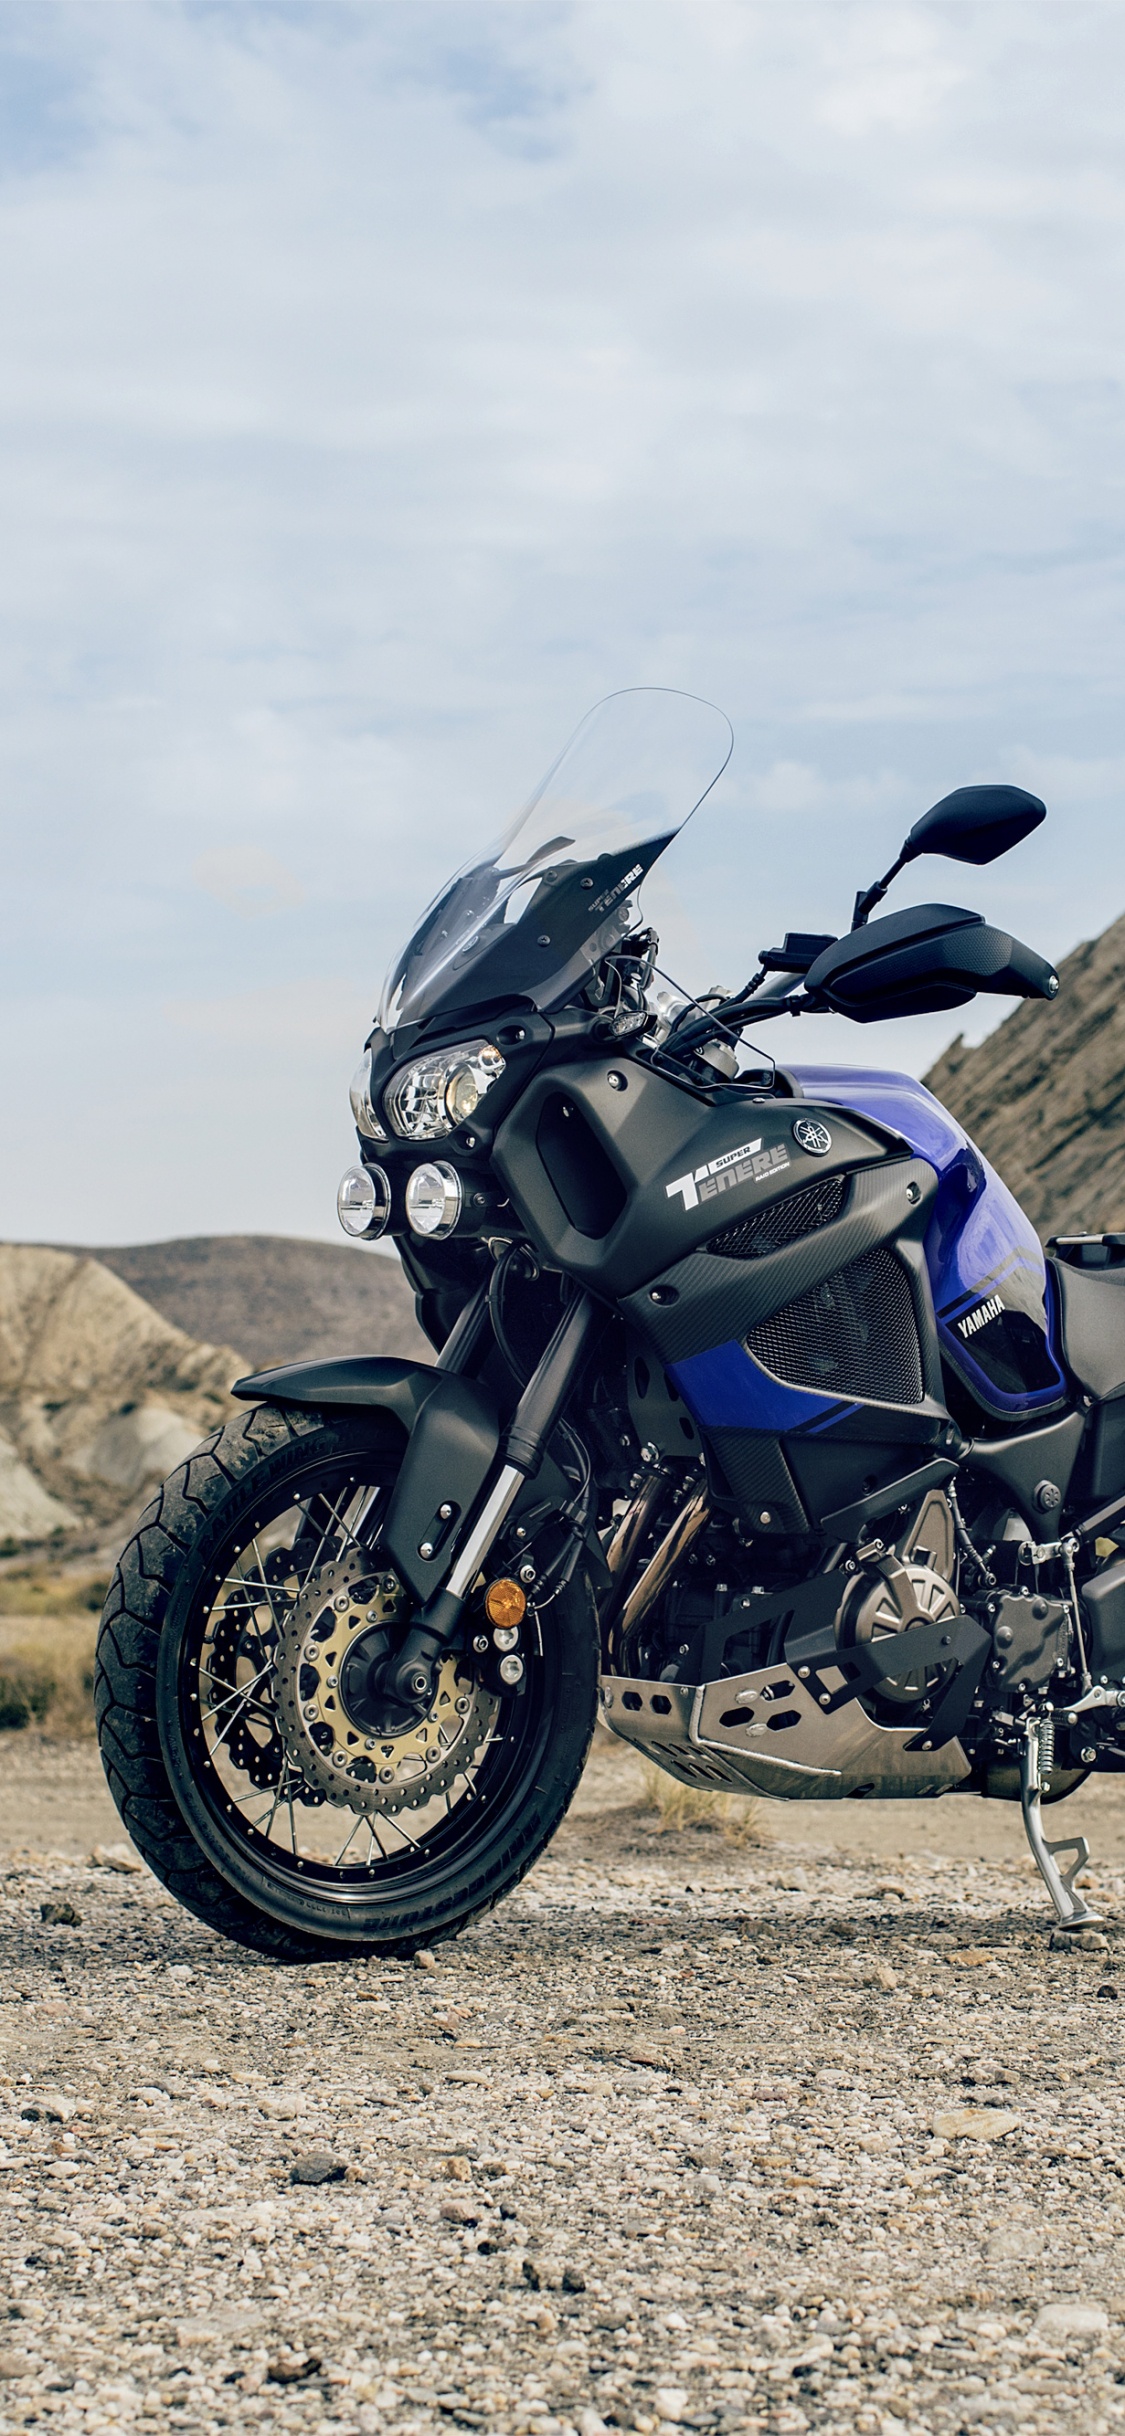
99,1395
114,1364
277,1297
1044,1096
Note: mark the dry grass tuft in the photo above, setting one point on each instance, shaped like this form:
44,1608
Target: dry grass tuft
736,1816
48,1628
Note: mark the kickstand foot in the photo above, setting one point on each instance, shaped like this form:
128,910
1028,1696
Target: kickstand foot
1037,1758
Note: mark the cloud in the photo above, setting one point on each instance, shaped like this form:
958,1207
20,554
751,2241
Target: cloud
247,880
382,384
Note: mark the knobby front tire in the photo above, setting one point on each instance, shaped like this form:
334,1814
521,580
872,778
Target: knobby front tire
191,1740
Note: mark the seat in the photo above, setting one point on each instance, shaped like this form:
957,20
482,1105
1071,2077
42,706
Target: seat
1092,1314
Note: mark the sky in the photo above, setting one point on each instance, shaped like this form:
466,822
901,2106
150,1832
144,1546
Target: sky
382,384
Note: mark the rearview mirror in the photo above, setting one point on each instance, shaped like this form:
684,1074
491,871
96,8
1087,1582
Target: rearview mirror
975,824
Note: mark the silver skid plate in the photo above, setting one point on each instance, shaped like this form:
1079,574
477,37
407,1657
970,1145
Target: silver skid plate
764,1733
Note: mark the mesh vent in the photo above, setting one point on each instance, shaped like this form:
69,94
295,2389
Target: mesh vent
853,1335
785,1221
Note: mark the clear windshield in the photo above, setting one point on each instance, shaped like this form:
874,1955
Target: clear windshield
532,916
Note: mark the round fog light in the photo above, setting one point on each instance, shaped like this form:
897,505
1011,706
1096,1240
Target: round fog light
433,1200
363,1202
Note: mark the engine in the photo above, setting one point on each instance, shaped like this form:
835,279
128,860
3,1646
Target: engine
931,1631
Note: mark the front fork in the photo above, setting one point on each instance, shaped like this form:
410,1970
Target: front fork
413,1675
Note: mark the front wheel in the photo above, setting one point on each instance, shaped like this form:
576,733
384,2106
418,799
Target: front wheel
242,1731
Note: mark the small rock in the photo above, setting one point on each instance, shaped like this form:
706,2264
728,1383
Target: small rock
531,2274
49,2109
974,2123
424,1960
545,2322
316,2166
281,2105
1011,2242
974,1958
458,2212
1108,1988
1071,2318
14,2364
670,2402
291,2367
882,1976
457,2169
60,1915
1078,1941
574,2281
120,1857
590,2423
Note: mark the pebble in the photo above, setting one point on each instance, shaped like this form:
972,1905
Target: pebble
119,1857
975,2123
316,2166
1071,2318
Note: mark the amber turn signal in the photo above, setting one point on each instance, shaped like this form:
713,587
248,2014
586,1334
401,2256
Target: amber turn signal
505,1602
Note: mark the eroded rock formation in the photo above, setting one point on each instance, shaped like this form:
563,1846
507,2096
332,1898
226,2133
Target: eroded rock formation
99,1395
1044,1095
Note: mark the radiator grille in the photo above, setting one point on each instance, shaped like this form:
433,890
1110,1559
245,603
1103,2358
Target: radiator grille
785,1221
853,1335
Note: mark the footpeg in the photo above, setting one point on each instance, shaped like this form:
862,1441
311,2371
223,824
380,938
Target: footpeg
1036,1761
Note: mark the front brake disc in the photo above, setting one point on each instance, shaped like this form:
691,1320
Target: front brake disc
395,1762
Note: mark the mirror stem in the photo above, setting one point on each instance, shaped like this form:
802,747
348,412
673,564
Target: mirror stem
869,898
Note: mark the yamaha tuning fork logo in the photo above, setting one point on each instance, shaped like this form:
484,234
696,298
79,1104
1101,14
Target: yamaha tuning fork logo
812,1136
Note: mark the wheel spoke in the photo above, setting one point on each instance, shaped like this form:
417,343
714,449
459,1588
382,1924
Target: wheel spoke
349,1839
239,1691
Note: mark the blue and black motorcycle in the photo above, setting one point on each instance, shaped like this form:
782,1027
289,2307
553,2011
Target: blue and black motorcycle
756,1412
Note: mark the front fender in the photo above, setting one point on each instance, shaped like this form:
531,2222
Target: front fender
380,1381
453,1432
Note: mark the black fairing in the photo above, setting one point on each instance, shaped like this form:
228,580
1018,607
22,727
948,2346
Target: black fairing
719,1227
617,1172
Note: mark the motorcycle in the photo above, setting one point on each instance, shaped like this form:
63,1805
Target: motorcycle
758,1415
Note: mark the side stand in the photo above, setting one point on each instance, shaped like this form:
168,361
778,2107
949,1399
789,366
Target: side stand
1036,1762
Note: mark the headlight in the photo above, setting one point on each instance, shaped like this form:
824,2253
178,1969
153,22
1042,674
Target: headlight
363,1202
433,1094
433,1200
368,1122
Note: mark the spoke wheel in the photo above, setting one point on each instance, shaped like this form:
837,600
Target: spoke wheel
252,1804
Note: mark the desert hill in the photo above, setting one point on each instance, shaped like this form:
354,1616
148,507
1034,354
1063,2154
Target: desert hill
113,1365
1044,1095
99,1395
279,1298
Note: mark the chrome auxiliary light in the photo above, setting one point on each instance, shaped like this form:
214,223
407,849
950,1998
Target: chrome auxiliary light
433,1200
363,1203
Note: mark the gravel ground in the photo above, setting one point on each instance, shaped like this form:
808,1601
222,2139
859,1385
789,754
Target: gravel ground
686,2134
